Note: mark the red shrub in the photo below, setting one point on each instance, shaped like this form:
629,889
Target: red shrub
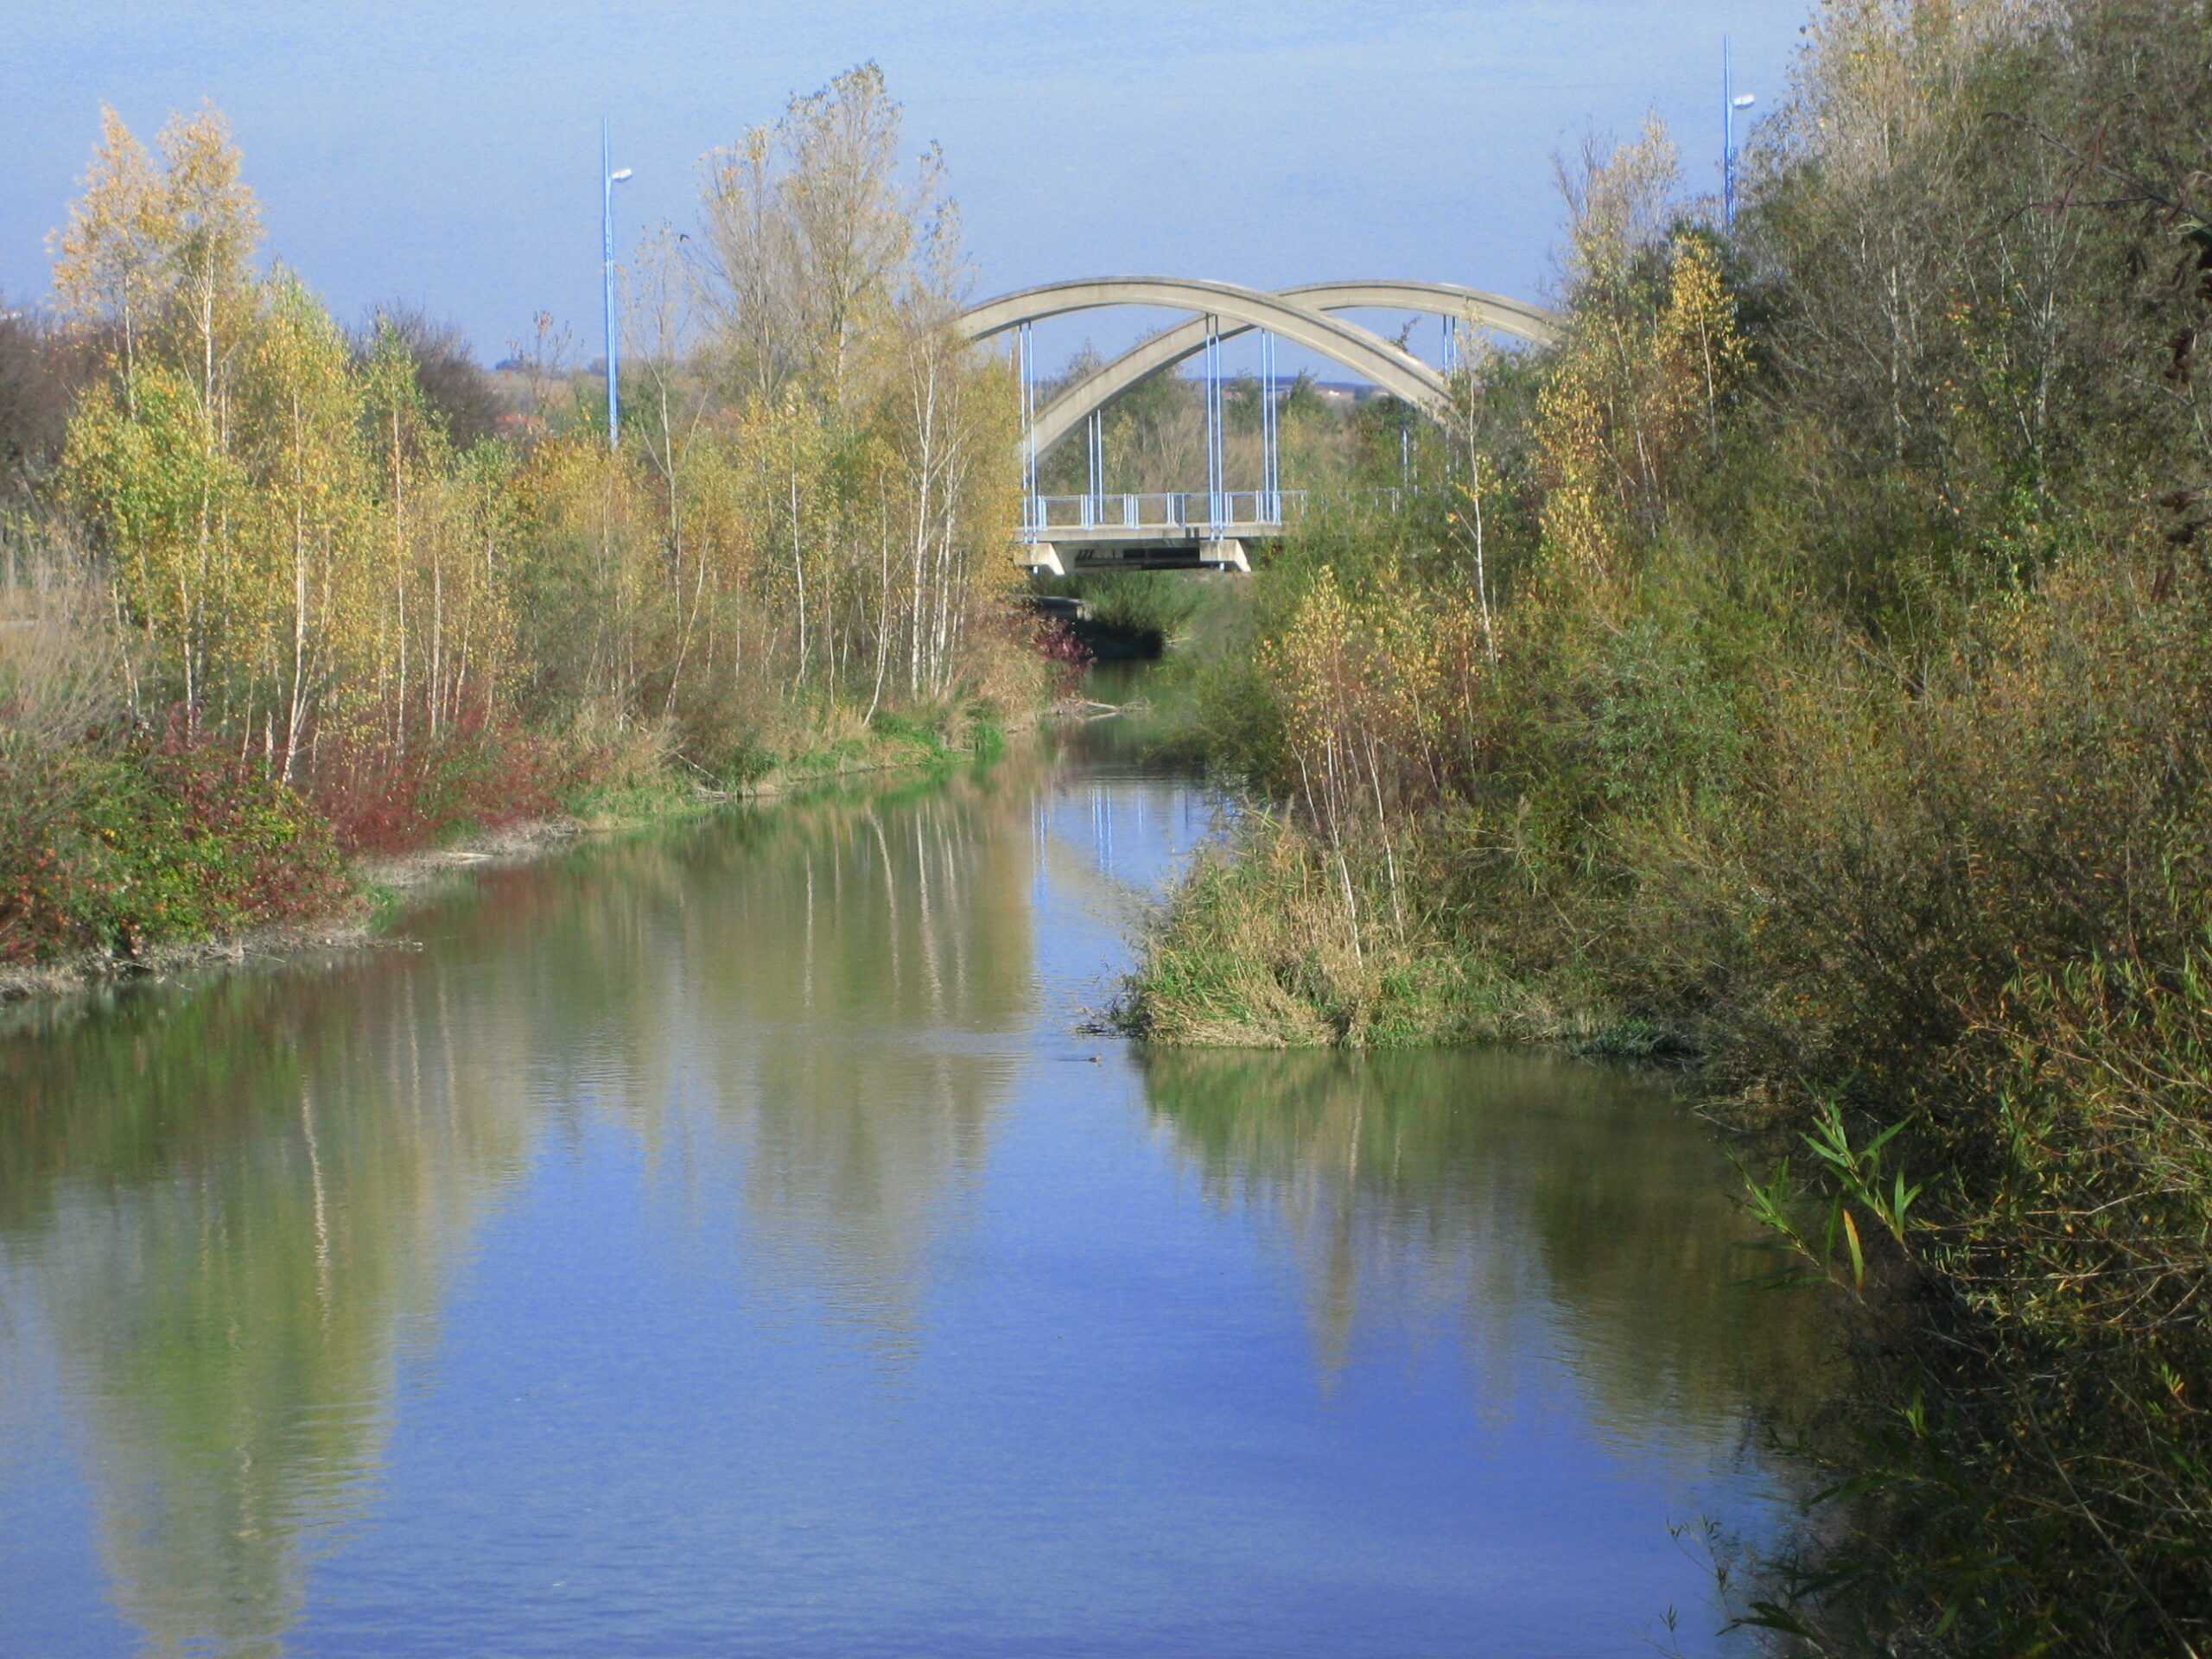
1057,644
381,797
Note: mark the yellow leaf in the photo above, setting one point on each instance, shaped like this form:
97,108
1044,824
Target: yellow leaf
1858,1261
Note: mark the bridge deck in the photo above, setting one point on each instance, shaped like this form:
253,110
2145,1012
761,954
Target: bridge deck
1135,518
1136,538
1190,531
1208,552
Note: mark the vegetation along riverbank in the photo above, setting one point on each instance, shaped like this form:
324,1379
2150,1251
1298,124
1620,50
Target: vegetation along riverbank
1805,669
278,599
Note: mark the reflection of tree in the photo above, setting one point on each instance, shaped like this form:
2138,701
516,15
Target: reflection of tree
231,1201
828,981
899,948
1535,1195
228,1201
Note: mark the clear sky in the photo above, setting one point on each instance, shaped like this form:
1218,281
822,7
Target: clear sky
446,151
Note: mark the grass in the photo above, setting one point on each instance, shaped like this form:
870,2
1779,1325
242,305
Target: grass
932,741
1260,948
637,800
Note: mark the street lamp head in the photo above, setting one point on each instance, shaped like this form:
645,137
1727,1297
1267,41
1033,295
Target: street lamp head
618,175
1743,100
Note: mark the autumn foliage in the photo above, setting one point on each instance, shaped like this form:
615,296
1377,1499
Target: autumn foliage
288,554
1803,672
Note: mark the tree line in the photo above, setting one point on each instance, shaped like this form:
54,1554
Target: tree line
233,525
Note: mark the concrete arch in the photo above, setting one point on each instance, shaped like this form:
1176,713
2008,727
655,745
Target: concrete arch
1360,350
1174,345
1185,340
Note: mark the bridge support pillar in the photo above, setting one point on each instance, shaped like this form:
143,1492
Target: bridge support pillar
1227,553
1040,559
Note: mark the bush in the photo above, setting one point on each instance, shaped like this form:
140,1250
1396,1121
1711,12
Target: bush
153,843
471,776
39,794
1988,919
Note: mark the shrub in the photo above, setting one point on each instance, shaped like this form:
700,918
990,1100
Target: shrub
1988,920
472,775
39,793
153,843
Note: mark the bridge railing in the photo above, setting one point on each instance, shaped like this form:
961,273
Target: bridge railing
1241,511
1173,510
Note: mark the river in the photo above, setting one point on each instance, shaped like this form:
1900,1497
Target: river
727,1240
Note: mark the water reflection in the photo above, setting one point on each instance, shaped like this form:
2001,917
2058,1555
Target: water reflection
854,972
235,1202
1554,1211
230,1208
294,1262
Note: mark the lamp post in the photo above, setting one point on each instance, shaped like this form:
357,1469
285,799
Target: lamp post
609,176
1730,101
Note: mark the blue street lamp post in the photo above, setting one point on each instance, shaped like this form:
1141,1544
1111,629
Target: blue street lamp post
609,176
1730,101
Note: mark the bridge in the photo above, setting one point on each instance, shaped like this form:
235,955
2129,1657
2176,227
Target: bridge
1210,530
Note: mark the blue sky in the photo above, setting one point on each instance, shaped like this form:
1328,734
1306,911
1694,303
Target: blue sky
447,153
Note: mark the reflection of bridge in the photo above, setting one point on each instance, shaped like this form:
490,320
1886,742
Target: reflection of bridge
1209,528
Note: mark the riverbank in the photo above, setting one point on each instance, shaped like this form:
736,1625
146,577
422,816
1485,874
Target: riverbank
1839,720
1280,942
1940,936
374,890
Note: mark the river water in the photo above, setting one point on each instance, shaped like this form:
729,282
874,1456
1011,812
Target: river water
727,1241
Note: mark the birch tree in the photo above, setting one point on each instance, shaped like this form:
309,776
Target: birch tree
303,434
111,264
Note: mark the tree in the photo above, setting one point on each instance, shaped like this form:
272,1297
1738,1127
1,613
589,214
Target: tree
1648,349
111,265
303,435
808,233
154,486
656,324
411,453
43,369
213,226
455,385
